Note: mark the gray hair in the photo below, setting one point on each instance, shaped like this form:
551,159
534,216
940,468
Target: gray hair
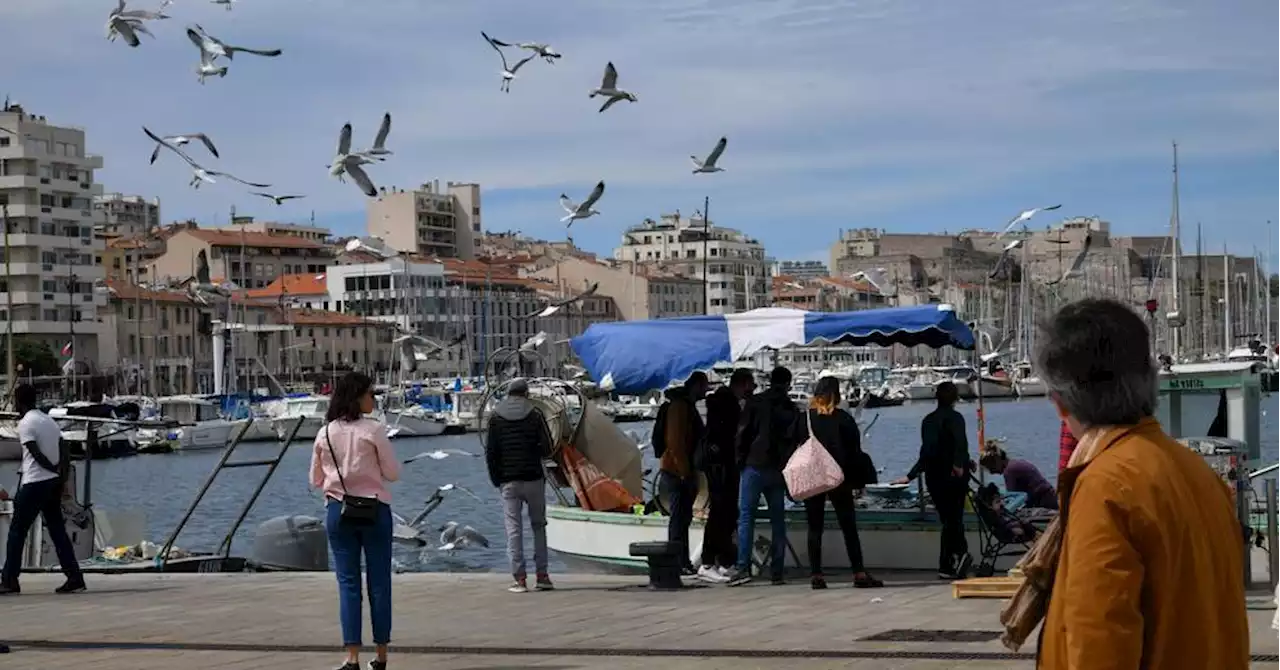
1095,356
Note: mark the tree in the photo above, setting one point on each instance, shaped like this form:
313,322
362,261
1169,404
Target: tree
36,358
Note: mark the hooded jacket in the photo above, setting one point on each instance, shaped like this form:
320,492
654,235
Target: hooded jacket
518,441
724,415
768,430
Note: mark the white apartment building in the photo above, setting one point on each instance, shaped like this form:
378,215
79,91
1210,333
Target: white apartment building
121,215
737,272
405,293
799,269
47,191
427,221
312,232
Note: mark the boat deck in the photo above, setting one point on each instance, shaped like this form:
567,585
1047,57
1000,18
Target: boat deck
469,621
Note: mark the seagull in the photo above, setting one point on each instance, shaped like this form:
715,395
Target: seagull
554,306
609,88
346,162
379,150
534,342
128,30
582,211
224,3
453,536
439,455
1024,217
201,173
183,140
207,68
1003,262
278,199
1077,265
411,345
142,14
508,72
544,50
200,284
709,165
216,47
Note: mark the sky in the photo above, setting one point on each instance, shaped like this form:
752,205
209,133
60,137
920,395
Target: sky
906,115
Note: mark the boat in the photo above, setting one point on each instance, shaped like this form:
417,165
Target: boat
113,441
605,512
921,384
414,421
311,407
1026,383
203,425
630,409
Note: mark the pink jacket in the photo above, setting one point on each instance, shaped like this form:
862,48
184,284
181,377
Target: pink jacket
365,456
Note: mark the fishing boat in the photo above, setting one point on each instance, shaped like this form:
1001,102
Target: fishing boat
311,407
603,512
203,426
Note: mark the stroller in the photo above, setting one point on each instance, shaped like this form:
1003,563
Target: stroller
1001,533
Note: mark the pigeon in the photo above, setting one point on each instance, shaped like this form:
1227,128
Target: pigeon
508,72
349,163
200,173
539,49
379,150
454,536
709,165
609,89
1077,265
183,140
1024,217
439,455
278,199
554,306
217,48
580,211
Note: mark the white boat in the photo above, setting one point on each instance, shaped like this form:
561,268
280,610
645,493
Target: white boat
631,408
960,375
208,430
311,408
10,449
414,421
1028,385
465,416
997,387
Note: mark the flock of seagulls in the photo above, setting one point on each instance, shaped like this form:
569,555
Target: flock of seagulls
1004,264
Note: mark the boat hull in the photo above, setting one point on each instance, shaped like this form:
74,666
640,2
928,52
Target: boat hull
1032,387
995,389
920,391
310,428
415,426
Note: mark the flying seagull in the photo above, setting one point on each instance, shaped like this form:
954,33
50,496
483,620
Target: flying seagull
412,347
127,29
508,72
207,68
278,199
709,165
439,455
583,210
553,306
349,163
224,3
217,48
1024,217
1002,263
1077,265
200,284
534,342
609,88
379,150
200,173
183,140
539,49
454,536
142,14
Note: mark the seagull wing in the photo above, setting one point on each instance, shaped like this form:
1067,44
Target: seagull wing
268,196
208,143
609,103
129,32
288,197
1049,208
383,131
196,39
1000,265
202,268
610,80
155,153
1077,265
269,53
161,143
473,536
344,140
715,153
595,195
567,204
362,180
497,47
232,177
522,62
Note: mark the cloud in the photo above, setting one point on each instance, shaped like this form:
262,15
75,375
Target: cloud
839,114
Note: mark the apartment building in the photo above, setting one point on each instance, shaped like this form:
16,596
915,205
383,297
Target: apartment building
312,232
428,221
47,188
799,269
121,215
639,291
247,259
737,271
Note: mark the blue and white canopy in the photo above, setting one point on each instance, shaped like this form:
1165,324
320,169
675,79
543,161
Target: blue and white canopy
638,356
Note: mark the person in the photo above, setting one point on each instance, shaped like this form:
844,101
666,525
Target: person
1066,445
1150,555
724,410
841,437
944,462
352,458
768,439
1020,476
679,430
45,467
1005,526
518,441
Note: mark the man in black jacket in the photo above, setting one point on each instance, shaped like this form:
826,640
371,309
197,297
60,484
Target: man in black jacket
944,462
720,463
768,439
518,441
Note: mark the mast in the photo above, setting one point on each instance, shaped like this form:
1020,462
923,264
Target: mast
1175,232
1226,302
1203,312
1266,276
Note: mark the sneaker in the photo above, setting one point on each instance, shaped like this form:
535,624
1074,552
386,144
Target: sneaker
375,664
519,586
724,570
544,583
817,582
963,565
9,590
349,665
948,576
688,571
777,581
711,575
738,577
71,587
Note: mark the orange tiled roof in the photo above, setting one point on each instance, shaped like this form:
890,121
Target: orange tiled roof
319,317
126,243
851,284
292,284
235,238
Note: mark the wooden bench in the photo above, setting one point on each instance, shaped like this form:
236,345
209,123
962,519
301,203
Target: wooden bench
664,564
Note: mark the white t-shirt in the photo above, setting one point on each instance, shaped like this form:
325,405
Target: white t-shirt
36,426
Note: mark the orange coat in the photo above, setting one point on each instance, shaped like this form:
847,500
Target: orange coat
1151,570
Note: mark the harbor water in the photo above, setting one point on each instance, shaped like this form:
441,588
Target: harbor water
161,486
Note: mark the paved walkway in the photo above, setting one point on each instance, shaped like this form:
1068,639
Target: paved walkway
470,622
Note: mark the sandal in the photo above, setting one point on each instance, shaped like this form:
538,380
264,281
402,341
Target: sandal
866,581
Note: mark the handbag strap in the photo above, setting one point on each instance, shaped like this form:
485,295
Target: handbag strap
336,468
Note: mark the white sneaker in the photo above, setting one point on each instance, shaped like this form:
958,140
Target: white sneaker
723,571
712,574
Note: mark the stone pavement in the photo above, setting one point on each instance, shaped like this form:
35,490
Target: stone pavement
469,621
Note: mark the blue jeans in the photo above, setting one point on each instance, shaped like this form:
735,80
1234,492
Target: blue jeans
769,482
348,542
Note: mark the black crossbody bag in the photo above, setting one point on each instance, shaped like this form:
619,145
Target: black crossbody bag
355,509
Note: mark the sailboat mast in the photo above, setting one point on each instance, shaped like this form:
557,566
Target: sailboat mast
1226,302
1266,281
1203,315
1175,233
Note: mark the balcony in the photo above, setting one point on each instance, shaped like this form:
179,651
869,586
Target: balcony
19,181
35,240
28,327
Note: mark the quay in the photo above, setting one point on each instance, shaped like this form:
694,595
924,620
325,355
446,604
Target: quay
469,621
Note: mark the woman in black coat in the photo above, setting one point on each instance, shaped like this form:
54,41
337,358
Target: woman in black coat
839,434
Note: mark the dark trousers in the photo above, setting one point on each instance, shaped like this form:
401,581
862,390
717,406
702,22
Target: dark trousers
39,499
815,510
682,492
948,494
722,519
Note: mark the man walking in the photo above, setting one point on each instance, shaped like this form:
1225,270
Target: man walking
944,461
768,439
518,441
44,468
678,433
720,463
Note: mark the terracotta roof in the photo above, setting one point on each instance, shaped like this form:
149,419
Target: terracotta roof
850,284
319,317
126,243
292,284
234,238
123,291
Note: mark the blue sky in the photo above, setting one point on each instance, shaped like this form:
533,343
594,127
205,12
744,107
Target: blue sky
906,115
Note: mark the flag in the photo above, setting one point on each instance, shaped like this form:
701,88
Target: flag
67,349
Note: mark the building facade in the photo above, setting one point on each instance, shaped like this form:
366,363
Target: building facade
121,215
311,232
47,191
799,269
428,221
247,259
